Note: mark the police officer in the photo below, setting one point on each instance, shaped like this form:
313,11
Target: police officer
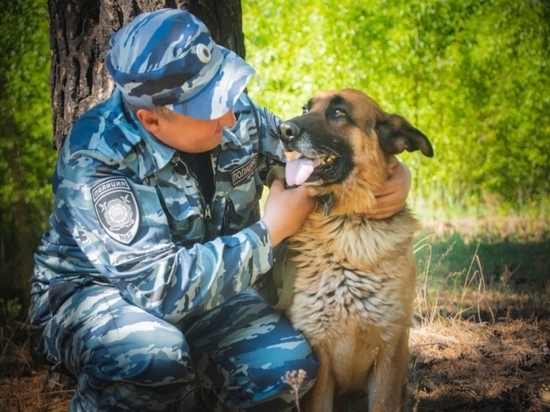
142,284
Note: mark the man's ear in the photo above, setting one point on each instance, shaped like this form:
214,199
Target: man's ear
149,120
396,135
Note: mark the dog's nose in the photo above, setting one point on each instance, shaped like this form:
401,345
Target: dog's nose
289,131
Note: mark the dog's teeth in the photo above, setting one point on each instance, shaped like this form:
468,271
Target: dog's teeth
327,161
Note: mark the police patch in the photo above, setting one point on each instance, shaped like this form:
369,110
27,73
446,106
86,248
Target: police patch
116,208
241,173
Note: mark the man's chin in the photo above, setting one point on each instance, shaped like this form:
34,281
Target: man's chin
212,143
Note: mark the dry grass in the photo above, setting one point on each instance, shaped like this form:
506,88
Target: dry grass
481,343
464,366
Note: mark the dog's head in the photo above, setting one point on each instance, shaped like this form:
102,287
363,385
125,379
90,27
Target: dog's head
342,142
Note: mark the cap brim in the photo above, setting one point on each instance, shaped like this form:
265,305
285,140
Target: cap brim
222,92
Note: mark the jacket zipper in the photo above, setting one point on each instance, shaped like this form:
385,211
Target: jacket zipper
216,154
206,206
207,212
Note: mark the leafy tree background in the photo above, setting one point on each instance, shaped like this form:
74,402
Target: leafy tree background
473,75
26,155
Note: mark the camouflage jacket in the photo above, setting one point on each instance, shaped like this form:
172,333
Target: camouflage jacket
128,212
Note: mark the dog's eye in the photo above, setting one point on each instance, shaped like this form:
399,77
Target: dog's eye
304,110
339,113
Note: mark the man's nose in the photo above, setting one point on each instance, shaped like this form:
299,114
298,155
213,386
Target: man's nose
228,119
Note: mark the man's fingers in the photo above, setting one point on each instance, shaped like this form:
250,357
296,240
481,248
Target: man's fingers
392,195
277,184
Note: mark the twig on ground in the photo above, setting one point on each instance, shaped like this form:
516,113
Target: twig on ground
37,395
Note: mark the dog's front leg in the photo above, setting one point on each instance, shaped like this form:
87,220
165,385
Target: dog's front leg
321,397
387,386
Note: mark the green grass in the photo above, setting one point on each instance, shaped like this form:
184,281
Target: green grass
483,267
479,250
503,262
440,202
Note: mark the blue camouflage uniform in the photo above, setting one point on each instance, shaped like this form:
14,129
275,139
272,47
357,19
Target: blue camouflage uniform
142,286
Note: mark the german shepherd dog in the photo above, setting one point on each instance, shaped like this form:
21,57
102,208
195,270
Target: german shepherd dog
355,277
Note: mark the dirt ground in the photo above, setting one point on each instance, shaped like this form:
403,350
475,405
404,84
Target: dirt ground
503,366
500,367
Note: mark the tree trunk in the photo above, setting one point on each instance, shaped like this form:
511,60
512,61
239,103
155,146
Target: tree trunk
79,38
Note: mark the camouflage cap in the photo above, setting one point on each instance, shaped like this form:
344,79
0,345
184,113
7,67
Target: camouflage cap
168,58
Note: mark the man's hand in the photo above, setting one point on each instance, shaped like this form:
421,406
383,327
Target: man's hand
392,195
285,211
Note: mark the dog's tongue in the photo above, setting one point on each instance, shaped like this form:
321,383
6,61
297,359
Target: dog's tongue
297,171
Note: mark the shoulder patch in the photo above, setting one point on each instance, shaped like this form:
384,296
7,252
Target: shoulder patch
116,208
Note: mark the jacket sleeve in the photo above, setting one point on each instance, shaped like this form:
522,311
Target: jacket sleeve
121,227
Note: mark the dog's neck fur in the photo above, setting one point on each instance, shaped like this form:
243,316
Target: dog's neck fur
359,250
350,201
359,185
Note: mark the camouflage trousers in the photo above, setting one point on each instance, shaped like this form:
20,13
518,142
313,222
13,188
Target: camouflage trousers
125,359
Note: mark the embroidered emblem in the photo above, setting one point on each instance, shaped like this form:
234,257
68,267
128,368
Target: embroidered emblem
116,208
241,173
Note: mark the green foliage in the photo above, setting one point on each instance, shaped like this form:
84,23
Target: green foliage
10,324
9,312
474,76
26,154
25,99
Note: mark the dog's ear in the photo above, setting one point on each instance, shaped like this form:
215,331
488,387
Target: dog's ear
396,135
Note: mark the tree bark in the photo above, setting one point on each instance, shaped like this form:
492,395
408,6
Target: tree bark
79,38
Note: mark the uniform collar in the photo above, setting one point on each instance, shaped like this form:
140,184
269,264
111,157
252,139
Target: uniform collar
159,154
153,154
229,140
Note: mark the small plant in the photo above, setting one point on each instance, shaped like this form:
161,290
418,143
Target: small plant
9,311
295,379
9,326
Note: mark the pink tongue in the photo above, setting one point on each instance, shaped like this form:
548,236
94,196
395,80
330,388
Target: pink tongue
297,171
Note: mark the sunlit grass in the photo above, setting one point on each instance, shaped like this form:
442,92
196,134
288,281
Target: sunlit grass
477,267
439,202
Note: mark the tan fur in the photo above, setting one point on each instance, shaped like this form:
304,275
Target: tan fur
355,279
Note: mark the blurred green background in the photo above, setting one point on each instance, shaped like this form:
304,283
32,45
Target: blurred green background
474,76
